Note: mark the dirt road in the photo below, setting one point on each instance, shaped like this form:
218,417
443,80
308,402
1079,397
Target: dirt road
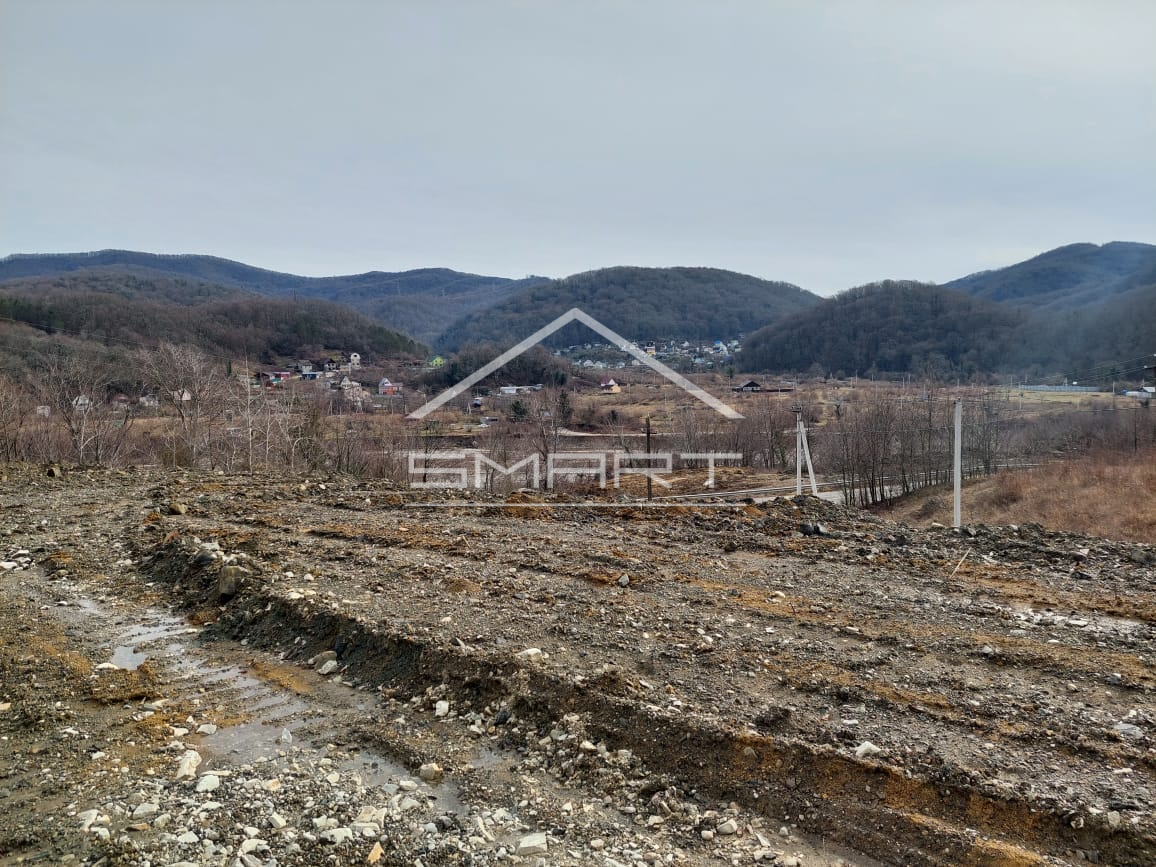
331,671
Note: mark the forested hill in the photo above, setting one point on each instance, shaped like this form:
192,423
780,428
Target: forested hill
894,328
1078,275
420,303
638,303
888,327
119,310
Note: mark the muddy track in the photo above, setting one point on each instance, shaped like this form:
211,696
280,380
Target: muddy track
861,687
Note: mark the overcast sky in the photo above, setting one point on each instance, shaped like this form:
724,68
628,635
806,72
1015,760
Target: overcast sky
824,143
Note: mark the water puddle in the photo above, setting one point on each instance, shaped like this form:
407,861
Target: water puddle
274,722
128,658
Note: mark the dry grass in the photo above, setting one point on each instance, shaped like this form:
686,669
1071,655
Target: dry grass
1109,495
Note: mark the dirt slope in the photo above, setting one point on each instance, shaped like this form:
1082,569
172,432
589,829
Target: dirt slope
785,682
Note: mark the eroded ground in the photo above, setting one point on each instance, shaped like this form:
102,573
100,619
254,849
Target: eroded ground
577,685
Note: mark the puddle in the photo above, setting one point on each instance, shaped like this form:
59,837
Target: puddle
128,658
276,721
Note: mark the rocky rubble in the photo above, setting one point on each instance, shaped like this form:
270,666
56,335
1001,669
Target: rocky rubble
777,682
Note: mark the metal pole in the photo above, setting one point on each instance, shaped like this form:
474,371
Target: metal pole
958,462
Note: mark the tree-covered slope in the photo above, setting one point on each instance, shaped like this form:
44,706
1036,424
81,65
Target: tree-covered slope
638,303
139,311
1078,275
420,302
888,327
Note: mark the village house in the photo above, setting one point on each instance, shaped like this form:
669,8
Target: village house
387,387
609,386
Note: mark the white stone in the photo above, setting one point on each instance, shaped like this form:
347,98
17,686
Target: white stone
148,808
337,835
328,667
866,749
442,708
208,783
251,845
532,844
730,826
187,768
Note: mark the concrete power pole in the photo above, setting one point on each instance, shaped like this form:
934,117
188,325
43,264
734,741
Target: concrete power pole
958,464
798,453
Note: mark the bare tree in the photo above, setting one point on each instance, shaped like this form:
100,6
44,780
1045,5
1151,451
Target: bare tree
77,389
15,411
193,387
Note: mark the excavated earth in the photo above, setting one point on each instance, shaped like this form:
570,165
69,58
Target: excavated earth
202,669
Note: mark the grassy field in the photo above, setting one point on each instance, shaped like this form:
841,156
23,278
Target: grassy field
1110,495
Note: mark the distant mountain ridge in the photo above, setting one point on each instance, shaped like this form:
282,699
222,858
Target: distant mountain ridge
399,300
1069,309
638,303
1073,276
115,311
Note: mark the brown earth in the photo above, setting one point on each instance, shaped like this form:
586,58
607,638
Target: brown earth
782,682
1111,495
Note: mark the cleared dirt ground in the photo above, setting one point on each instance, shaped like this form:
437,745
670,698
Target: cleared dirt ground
372,675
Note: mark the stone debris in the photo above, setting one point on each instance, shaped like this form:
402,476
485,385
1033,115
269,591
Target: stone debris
492,696
187,767
532,844
208,783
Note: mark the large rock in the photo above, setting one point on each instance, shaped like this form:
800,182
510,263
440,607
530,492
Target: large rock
190,761
532,844
229,581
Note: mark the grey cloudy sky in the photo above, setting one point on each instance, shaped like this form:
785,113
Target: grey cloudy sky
824,143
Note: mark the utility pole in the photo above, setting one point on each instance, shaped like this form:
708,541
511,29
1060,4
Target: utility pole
649,481
807,455
1148,401
958,473
798,453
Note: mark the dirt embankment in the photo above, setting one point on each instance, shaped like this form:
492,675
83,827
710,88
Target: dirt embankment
395,679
